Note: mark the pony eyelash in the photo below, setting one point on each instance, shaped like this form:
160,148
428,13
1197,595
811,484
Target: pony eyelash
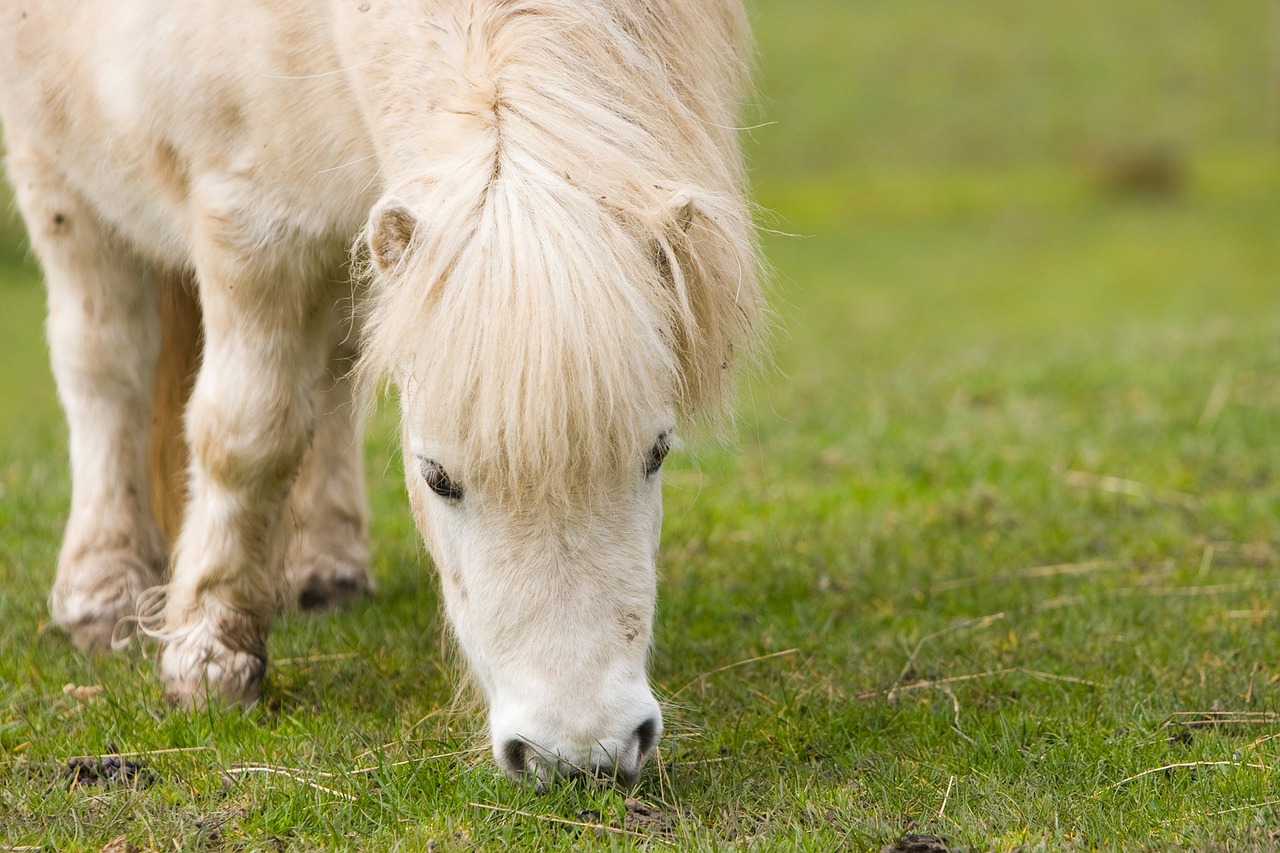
438,480
657,453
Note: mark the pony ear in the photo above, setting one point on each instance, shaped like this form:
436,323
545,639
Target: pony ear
391,229
682,209
705,255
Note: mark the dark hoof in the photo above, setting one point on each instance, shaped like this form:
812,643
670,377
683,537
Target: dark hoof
330,585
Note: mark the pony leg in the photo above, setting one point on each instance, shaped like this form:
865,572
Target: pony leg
249,423
103,332
328,556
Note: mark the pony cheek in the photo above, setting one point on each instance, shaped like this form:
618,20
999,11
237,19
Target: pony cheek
440,528
656,504
436,523
418,504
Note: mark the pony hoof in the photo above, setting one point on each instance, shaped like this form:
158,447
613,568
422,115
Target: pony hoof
94,593
328,583
198,671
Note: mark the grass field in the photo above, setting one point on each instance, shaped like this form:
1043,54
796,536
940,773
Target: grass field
996,558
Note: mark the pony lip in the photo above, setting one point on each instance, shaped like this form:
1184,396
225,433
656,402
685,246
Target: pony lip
554,264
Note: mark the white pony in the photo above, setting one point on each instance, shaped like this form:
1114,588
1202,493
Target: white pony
554,265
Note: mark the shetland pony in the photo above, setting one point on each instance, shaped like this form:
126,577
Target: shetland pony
553,265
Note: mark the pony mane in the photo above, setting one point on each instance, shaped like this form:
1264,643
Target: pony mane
583,257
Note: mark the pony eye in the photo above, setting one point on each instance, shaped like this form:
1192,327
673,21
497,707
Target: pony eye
657,453
438,481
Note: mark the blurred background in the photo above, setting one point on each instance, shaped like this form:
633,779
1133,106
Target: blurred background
944,175
1004,170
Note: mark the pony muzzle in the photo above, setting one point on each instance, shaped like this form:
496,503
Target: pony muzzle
543,759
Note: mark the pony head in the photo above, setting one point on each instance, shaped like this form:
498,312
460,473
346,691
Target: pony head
552,293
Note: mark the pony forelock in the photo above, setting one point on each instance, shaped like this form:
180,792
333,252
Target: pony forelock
582,261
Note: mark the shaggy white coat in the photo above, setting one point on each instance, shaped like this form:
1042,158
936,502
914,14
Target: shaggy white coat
559,266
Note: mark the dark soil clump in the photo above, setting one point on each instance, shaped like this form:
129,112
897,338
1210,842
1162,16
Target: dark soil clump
916,843
107,770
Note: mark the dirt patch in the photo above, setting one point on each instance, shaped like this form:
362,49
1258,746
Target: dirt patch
1148,171
120,845
644,818
915,843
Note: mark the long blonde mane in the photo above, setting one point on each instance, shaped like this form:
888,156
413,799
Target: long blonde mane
583,254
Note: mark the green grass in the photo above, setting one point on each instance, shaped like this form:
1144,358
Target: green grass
979,323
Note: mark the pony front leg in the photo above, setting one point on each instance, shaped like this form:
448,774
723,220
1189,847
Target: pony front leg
327,562
249,423
104,335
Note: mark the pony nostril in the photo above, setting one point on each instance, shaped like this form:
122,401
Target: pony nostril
647,736
518,756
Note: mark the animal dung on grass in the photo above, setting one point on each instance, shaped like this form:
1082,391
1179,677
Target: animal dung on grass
554,266
107,770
